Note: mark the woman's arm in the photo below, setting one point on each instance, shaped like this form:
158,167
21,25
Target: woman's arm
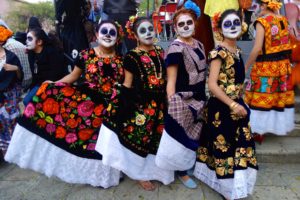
9,67
72,77
258,45
218,92
171,83
128,79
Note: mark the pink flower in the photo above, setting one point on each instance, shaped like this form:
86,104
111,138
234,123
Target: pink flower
91,85
114,93
95,137
71,138
91,146
50,128
85,56
39,106
88,122
29,110
68,110
82,126
67,100
58,118
274,30
100,64
60,84
114,65
86,108
48,92
55,91
145,59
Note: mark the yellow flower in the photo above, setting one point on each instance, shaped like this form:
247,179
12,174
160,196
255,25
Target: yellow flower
230,171
222,77
249,152
203,157
222,53
220,171
213,54
230,89
221,139
217,122
231,72
247,133
140,119
230,161
229,62
108,108
243,162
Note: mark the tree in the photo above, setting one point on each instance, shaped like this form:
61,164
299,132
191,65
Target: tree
18,18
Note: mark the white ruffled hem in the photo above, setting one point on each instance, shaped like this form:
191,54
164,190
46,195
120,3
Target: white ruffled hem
114,154
232,188
278,123
173,155
30,151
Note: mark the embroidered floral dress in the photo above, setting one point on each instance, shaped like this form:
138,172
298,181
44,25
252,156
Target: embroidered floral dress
226,158
270,93
129,139
69,118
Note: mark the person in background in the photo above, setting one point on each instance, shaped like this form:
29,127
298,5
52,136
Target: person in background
269,92
11,75
20,50
48,61
226,157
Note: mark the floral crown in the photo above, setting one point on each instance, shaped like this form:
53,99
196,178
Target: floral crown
5,34
190,5
273,4
129,26
215,21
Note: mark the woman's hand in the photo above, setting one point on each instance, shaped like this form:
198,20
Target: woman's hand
239,110
9,67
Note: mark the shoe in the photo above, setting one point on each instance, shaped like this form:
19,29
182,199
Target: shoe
190,172
258,138
190,183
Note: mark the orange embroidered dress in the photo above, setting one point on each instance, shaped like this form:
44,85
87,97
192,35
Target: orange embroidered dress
269,93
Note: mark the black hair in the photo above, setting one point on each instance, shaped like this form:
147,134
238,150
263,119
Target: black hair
34,23
51,40
225,13
138,21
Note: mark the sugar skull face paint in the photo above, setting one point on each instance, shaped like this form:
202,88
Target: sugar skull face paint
107,35
185,26
231,26
31,41
145,33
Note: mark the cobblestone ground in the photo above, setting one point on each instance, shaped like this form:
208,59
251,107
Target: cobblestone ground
275,182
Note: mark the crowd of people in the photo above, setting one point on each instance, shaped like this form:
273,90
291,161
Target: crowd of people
146,114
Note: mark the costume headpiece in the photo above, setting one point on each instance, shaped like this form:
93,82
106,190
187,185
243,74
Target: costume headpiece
129,26
190,5
273,4
5,34
121,33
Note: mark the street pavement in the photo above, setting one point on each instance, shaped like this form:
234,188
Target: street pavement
274,182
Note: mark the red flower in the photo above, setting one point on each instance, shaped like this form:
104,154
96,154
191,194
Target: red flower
41,123
149,111
92,68
98,110
106,87
73,104
67,91
106,61
130,129
149,126
60,132
152,53
153,80
72,123
50,106
145,139
85,134
86,108
145,59
160,128
97,123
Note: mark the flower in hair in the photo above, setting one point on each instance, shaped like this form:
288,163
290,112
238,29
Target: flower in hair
273,4
121,33
215,21
190,5
5,34
129,26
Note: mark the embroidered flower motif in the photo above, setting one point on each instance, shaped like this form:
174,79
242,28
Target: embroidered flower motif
71,138
92,68
42,89
50,128
50,106
72,123
217,122
145,59
153,80
91,147
67,91
97,122
41,123
29,110
60,132
140,119
85,134
274,30
160,128
86,108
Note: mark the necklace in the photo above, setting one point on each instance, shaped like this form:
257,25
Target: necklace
159,74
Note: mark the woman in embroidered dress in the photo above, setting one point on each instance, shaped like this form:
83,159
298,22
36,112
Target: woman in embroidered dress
186,71
269,93
129,141
226,159
59,129
11,76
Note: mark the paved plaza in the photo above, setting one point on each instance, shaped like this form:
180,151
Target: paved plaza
275,182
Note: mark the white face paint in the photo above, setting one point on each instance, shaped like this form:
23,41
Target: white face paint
185,26
145,33
31,41
107,35
231,26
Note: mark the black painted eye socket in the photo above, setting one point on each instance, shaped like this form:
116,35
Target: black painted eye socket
112,32
227,24
143,30
29,38
104,31
181,24
189,22
237,22
150,28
